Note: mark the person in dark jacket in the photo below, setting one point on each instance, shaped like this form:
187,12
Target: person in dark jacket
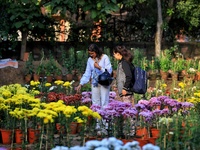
124,79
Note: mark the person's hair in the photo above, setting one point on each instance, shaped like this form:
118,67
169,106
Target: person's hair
96,49
126,54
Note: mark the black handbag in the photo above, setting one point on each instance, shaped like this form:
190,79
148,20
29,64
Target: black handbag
105,78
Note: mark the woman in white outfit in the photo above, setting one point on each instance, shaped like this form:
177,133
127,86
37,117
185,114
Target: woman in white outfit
96,65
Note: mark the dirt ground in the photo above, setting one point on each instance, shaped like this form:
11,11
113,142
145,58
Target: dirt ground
11,75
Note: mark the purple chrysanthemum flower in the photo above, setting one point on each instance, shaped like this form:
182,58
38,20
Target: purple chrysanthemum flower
165,112
185,112
173,103
108,107
112,94
170,102
145,102
111,99
148,115
86,94
140,106
113,113
175,109
179,105
86,100
154,101
162,98
95,107
166,101
102,113
156,112
187,105
130,112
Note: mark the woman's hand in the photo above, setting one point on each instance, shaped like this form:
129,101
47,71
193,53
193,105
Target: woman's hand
78,88
124,92
96,65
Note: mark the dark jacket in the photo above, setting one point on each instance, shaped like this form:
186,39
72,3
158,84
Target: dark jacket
124,77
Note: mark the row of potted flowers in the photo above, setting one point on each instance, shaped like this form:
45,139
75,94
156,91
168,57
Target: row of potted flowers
26,107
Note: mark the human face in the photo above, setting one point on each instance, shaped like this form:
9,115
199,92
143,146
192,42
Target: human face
117,56
92,54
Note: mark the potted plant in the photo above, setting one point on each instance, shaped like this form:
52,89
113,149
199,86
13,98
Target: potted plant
58,73
38,72
191,70
197,77
39,69
68,63
29,68
165,62
176,67
152,66
50,67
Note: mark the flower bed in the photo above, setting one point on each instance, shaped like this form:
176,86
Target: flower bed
42,106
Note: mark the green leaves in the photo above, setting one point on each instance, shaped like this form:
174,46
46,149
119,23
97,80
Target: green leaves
100,9
18,24
189,10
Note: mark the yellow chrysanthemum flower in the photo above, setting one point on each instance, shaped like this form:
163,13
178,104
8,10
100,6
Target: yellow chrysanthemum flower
41,114
96,115
47,84
46,120
35,92
164,85
197,94
67,84
59,82
69,111
182,85
6,94
79,120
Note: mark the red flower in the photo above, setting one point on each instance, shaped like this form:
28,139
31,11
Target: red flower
61,96
52,96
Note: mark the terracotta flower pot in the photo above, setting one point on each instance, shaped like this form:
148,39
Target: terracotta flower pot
152,140
36,77
126,140
33,135
174,76
155,132
197,76
164,75
69,77
6,136
58,77
49,79
142,132
60,128
142,141
79,127
28,78
73,127
18,136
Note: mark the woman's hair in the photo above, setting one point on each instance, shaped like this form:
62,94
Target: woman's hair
96,49
126,54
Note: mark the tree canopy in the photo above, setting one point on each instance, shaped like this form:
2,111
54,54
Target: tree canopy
141,19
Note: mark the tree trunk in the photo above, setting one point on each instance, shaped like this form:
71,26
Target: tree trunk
23,44
159,31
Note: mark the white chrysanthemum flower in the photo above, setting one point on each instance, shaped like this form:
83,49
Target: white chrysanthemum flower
60,148
102,148
78,148
52,88
93,144
133,145
150,147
